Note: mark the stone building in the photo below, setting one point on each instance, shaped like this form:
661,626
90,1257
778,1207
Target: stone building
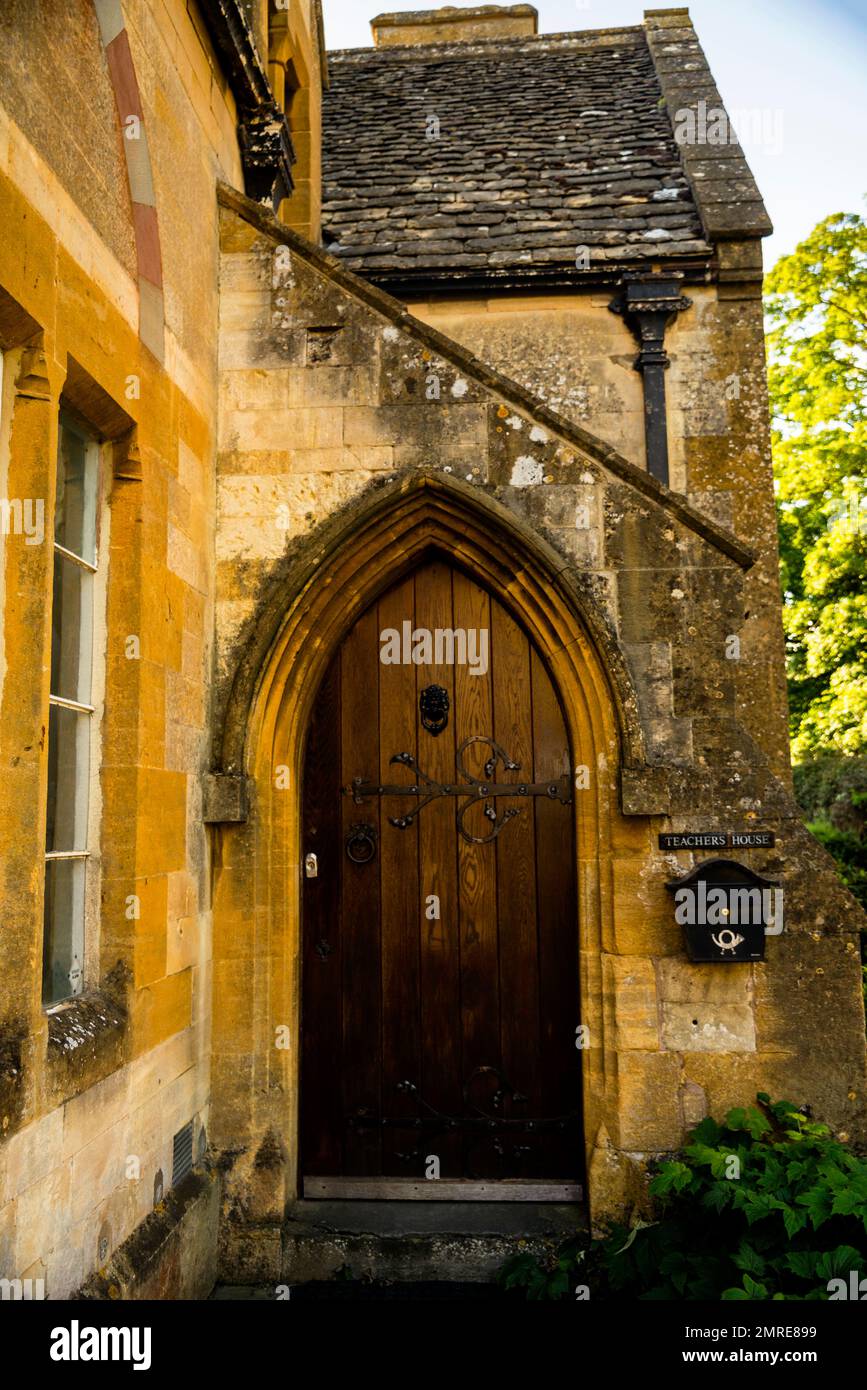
388,562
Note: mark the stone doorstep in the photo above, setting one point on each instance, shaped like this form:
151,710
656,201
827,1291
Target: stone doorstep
419,1242
353,1291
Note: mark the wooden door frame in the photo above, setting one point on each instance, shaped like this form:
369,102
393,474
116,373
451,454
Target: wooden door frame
257,893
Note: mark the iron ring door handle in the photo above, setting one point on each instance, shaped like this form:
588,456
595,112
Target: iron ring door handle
361,844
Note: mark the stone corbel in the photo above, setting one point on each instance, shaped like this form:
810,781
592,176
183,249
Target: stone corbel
224,800
127,457
648,303
33,381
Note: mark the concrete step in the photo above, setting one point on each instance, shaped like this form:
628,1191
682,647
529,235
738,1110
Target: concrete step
418,1243
355,1291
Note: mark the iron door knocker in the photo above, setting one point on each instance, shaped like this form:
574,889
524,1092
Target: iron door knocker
361,843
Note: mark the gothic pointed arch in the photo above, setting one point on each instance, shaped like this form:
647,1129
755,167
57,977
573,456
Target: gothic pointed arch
261,736
342,569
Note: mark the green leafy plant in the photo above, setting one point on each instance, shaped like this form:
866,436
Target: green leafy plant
553,1277
766,1205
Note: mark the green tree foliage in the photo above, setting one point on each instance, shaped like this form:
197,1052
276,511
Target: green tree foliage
767,1205
817,318
831,789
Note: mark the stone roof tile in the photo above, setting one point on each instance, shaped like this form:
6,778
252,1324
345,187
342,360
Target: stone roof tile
564,138
508,155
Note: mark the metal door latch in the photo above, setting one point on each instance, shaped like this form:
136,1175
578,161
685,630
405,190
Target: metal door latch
311,866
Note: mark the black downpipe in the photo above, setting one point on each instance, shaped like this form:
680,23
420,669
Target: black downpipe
649,303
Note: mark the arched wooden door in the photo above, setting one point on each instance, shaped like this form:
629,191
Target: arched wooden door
440,942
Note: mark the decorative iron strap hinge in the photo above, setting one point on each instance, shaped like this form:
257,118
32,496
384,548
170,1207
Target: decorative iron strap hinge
479,789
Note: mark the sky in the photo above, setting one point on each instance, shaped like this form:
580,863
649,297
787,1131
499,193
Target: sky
796,69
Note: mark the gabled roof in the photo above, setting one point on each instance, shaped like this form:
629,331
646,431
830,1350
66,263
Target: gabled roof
500,387
494,160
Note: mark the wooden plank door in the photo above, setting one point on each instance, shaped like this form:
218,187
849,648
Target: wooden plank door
440,954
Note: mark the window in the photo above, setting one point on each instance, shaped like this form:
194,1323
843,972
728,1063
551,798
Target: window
70,725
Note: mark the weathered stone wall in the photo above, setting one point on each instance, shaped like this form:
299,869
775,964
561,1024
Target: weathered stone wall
108,271
190,119
54,83
334,401
569,350
172,1253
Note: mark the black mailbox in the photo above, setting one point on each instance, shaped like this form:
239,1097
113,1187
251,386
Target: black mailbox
726,911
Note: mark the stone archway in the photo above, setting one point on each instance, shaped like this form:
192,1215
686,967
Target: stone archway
257,887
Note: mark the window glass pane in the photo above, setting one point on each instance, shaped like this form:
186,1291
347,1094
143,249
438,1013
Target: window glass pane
64,929
75,509
68,773
71,631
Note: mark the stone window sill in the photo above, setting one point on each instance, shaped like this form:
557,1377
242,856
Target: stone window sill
86,1038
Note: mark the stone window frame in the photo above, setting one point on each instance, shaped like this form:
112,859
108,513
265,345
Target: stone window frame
9,364
73,421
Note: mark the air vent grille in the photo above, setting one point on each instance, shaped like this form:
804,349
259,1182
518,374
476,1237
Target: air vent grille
182,1154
